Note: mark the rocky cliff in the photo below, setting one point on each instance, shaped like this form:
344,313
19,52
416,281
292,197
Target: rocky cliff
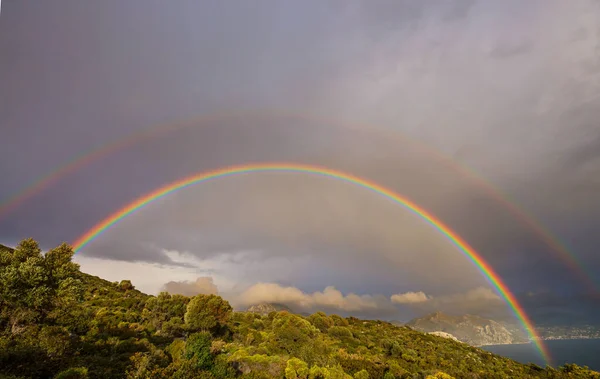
473,330
445,335
266,308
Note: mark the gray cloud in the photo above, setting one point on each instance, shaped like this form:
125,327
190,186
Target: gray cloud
510,50
426,69
458,10
481,301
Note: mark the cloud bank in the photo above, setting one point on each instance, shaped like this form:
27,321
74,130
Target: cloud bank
202,286
409,297
328,299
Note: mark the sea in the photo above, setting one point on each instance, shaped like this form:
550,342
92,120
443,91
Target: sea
585,352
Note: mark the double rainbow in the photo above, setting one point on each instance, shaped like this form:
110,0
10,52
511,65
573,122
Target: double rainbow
79,162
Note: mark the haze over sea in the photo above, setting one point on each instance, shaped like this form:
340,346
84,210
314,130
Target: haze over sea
585,352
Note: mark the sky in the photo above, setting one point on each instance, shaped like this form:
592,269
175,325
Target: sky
381,89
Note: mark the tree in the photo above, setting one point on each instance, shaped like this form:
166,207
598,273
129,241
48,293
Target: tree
165,312
296,369
32,285
337,372
317,372
197,350
126,285
321,321
73,373
206,312
63,280
439,375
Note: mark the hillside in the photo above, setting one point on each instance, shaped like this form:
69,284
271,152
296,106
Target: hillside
474,330
56,322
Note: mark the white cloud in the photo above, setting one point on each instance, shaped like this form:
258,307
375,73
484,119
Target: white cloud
202,285
409,297
329,298
146,277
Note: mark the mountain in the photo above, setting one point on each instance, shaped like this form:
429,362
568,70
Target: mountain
473,330
264,309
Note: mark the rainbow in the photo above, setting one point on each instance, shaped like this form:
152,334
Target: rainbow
11,203
462,245
87,157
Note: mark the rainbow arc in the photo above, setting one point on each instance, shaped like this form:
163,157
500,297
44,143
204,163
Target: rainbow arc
491,276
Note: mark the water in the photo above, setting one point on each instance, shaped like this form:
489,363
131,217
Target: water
580,352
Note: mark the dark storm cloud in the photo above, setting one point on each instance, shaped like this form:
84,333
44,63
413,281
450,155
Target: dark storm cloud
133,251
74,77
560,309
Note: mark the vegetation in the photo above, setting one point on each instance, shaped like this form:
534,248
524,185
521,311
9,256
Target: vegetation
56,322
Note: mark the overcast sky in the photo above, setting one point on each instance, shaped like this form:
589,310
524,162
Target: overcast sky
507,89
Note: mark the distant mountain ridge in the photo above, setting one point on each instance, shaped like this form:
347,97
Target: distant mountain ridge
473,330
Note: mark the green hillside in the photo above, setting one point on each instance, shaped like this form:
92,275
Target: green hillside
57,322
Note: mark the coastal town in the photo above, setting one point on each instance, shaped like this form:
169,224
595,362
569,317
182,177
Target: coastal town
569,332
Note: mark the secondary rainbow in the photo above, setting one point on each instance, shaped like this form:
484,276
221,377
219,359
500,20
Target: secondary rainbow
99,152
462,245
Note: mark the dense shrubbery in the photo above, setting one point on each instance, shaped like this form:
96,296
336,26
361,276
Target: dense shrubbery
56,322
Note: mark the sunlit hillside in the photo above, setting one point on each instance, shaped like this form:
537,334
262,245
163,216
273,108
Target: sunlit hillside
59,322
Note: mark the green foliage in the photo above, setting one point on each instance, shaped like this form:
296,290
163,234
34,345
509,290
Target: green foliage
207,312
56,322
439,375
73,373
33,285
321,321
317,372
340,332
125,285
296,369
165,314
339,321
291,333
197,350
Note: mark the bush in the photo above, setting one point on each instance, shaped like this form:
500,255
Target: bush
73,373
339,332
197,350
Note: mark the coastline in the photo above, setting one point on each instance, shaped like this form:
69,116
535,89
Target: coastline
541,339
581,351
504,344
